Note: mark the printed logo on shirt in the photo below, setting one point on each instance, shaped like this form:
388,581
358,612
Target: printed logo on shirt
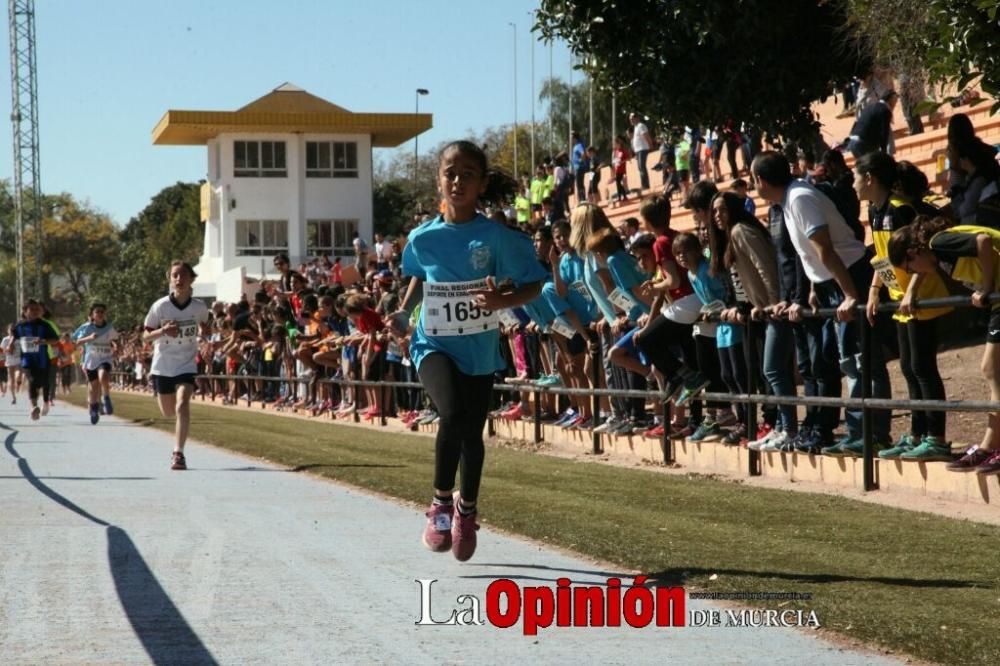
479,257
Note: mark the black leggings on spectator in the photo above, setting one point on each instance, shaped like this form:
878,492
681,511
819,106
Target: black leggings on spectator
918,341
658,342
38,379
462,402
620,185
709,363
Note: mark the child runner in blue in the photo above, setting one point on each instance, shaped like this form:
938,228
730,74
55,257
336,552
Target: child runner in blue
455,262
34,336
99,337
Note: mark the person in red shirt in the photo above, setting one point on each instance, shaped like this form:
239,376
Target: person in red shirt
369,324
619,162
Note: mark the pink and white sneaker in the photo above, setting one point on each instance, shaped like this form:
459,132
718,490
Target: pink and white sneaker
437,532
463,532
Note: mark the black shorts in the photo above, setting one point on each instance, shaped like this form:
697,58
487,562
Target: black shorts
993,328
168,385
576,344
3,374
92,374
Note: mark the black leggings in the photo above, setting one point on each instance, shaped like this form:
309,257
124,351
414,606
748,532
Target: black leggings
734,373
660,342
462,402
918,341
38,378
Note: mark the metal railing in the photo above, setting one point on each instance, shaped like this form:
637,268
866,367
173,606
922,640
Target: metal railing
752,398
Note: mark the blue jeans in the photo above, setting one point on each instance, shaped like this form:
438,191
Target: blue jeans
778,352
849,346
816,351
640,160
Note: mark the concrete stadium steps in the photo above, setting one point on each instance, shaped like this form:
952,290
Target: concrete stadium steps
925,150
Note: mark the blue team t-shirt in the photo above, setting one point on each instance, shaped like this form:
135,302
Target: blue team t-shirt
439,251
540,309
30,336
572,272
596,288
626,273
708,289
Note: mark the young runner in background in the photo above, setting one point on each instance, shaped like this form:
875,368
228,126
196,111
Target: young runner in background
99,336
172,325
34,336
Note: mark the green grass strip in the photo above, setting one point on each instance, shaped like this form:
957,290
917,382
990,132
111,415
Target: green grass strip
911,582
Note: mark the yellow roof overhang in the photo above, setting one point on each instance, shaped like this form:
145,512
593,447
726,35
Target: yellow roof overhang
193,128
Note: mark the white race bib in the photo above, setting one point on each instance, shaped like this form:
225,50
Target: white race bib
621,300
449,309
886,272
581,289
563,327
508,318
29,345
99,349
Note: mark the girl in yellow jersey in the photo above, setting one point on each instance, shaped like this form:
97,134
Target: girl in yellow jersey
875,176
929,246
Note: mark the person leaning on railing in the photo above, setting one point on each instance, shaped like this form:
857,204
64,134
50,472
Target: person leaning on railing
967,254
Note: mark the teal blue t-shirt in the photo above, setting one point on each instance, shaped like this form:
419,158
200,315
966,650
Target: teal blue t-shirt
708,289
626,273
596,288
572,272
440,252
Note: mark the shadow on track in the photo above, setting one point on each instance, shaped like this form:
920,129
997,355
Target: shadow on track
156,621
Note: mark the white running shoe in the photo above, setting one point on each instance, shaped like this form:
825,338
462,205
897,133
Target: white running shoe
759,444
775,440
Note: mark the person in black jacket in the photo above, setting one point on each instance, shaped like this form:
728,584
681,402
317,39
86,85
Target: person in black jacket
872,130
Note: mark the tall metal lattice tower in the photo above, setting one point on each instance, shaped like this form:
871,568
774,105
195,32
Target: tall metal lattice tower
24,117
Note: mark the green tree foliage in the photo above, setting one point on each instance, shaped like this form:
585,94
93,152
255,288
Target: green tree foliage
168,228
949,40
701,62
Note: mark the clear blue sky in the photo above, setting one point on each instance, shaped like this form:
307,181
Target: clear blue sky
109,69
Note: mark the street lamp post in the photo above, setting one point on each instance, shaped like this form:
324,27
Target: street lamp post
416,137
514,26
531,166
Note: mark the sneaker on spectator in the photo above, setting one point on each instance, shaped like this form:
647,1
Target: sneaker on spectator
503,408
775,440
682,431
813,442
549,380
930,449
463,532
903,444
846,446
762,429
583,424
514,413
427,418
735,436
655,432
991,465
726,419
692,387
791,441
566,417
573,423
706,429
608,424
756,444
973,458
625,427
673,387
437,532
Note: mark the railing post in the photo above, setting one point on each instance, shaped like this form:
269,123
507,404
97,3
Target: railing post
753,457
384,408
665,442
537,418
868,456
355,386
596,369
